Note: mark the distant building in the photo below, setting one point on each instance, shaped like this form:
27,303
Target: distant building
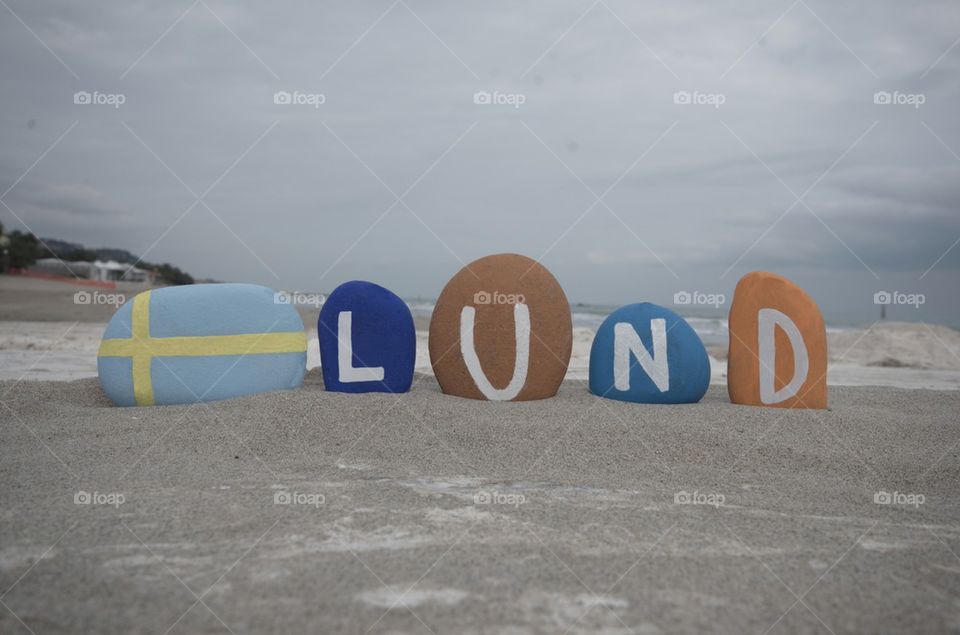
109,270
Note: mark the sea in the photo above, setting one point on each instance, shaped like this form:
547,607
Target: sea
711,329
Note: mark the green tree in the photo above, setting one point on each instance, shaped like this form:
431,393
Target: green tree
84,255
24,249
168,273
4,250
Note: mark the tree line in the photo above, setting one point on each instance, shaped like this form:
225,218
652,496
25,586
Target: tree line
19,250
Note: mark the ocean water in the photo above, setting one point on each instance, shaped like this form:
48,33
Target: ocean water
712,330
42,351
711,327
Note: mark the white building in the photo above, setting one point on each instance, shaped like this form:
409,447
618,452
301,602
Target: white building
109,270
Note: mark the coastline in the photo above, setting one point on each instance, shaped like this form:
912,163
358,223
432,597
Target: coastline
44,334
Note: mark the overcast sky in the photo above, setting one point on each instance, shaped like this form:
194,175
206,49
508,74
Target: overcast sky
588,163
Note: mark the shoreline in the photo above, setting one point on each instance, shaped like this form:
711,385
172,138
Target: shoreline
66,351
45,334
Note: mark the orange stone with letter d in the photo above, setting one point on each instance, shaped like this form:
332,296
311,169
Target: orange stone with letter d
778,345
501,330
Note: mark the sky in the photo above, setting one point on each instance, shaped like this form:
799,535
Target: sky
637,150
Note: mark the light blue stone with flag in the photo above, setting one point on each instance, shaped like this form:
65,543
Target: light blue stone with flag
645,353
203,342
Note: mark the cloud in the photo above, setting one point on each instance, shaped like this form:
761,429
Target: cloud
313,195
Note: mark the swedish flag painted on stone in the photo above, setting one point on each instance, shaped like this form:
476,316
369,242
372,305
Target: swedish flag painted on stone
201,342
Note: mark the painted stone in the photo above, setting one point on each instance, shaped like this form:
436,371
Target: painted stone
202,342
367,340
778,345
501,330
645,353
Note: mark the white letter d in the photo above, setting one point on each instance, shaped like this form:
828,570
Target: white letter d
767,320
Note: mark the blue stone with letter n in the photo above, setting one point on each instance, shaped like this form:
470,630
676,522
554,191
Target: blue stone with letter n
367,340
645,353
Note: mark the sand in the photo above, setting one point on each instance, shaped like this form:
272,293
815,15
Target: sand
35,299
433,514
899,345
425,513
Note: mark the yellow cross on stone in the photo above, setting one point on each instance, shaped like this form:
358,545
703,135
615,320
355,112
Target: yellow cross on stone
142,348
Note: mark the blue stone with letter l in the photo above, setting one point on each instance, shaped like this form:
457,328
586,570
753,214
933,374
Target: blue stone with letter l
367,340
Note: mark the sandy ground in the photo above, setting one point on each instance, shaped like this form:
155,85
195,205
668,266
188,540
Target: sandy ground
425,513
34,299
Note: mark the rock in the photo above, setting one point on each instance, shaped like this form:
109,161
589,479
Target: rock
367,340
501,330
201,342
778,345
645,353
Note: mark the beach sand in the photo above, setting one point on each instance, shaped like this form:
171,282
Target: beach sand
427,513
440,514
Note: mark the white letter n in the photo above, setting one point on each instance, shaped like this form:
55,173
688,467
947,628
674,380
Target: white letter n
627,342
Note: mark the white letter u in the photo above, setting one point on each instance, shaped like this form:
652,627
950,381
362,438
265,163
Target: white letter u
521,322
